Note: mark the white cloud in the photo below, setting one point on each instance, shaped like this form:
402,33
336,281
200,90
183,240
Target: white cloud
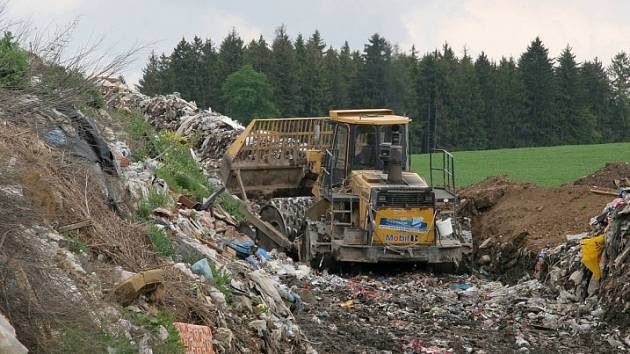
220,23
43,8
504,28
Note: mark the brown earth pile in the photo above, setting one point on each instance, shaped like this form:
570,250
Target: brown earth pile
613,175
503,209
512,221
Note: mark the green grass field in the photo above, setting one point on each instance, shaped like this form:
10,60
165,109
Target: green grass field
545,166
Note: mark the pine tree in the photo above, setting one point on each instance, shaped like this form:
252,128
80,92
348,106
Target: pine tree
229,58
165,74
511,106
348,78
258,55
182,64
376,58
597,98
485,72
577,122
425,78
331,80
445,112
283,73
300,72
150,84
210,88
399,90
536,68
198,93
312,76
468,131
619,73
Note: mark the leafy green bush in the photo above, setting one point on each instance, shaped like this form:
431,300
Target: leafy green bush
14,63
161,243
248,94
155,199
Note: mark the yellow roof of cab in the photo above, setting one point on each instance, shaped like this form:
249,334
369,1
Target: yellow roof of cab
368,116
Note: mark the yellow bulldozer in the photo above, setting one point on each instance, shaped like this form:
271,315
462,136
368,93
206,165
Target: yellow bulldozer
340,188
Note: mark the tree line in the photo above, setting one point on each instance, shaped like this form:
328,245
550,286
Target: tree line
456,102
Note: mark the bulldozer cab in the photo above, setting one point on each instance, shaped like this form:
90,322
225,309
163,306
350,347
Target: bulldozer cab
360,140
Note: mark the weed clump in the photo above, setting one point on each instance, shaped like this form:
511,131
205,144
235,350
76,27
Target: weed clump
161,243
221,281
179,168
172,344
155,199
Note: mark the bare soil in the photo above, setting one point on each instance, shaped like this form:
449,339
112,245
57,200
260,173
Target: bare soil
613,175
534,217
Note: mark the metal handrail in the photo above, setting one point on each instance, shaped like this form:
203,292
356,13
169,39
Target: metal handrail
447,169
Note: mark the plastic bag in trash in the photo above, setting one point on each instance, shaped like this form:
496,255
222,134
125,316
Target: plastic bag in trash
202,267
56,137
591,253
243,248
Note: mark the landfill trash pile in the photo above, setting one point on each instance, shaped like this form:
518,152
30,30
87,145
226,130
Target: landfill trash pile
167,112
209,276
209,132
595,264
119,96
251,309
419,312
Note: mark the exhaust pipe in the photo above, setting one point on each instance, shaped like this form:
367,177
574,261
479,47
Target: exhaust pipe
394,173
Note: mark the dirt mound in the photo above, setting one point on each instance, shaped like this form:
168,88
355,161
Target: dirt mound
613,175
504,209
512,220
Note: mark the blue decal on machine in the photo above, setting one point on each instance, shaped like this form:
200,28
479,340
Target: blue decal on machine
415,224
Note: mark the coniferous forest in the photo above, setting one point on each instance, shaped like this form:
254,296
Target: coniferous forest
456,101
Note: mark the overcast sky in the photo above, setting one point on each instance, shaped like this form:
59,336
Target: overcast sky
498,27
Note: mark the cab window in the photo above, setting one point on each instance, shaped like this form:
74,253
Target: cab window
366,148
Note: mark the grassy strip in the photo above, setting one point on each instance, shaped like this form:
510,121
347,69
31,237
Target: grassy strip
545,166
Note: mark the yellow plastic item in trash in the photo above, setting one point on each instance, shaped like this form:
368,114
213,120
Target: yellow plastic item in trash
592,249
